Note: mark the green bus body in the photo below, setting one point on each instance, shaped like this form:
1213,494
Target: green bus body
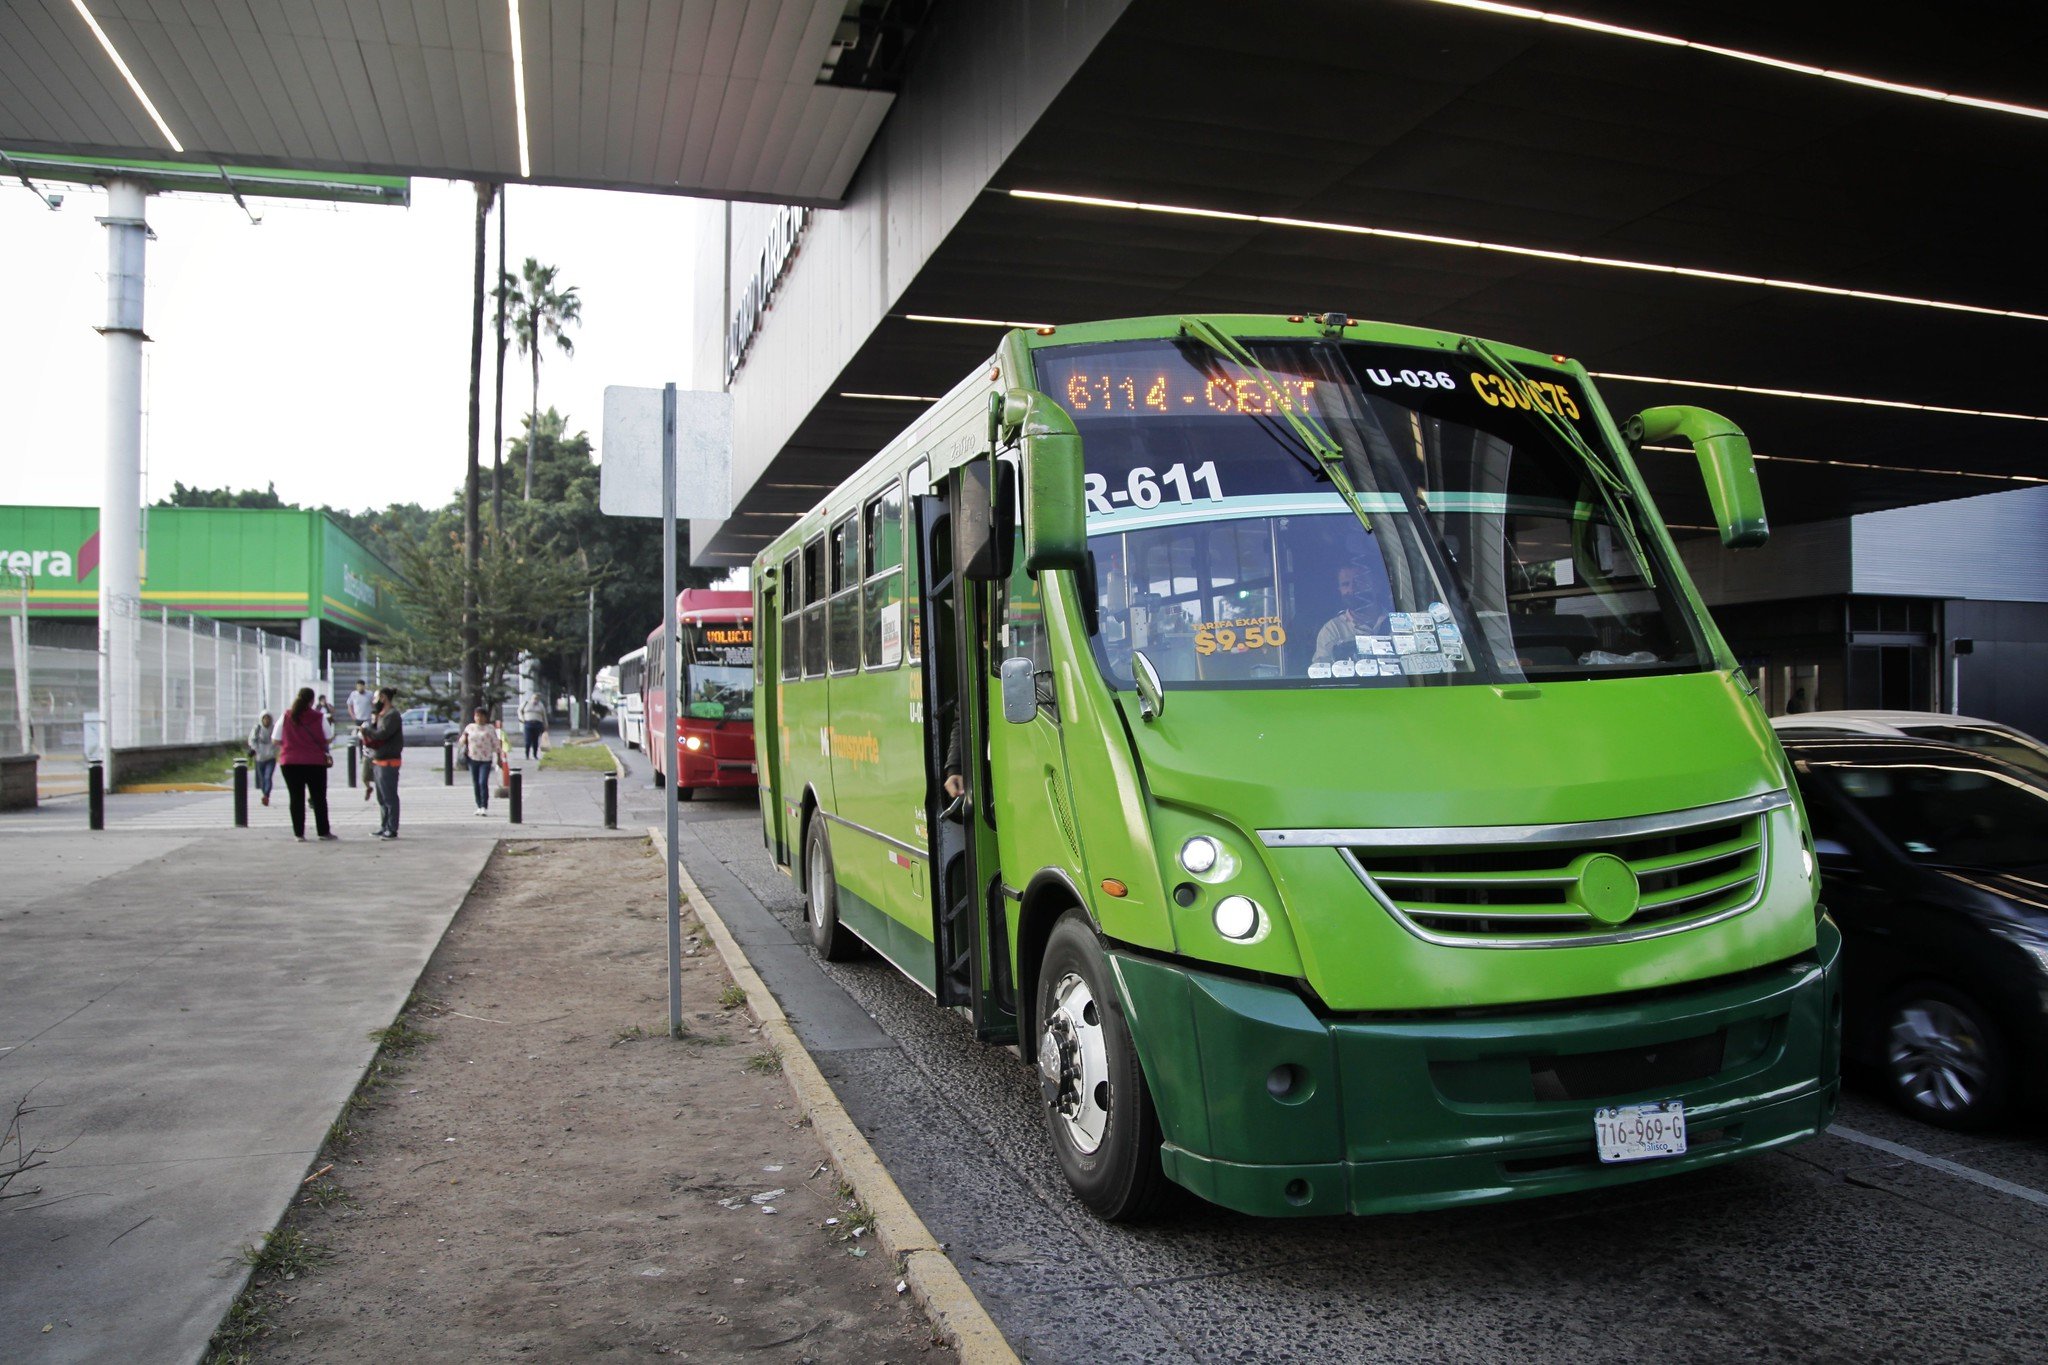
1435,998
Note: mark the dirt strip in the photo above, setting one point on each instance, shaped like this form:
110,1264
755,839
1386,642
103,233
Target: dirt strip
548,1176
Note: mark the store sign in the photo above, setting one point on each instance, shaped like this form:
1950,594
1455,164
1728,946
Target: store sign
36,563
785,232
355,585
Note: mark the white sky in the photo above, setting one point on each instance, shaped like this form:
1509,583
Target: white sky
327,349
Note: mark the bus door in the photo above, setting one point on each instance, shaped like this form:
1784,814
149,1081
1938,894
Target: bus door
969,939
769,593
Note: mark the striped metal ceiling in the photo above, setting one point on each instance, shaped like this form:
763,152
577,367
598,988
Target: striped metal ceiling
722,98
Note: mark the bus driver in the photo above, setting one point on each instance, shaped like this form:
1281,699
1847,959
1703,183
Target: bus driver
1363,613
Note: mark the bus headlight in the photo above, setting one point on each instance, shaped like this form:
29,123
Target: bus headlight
693,743
1238,918
1207,858
1806,861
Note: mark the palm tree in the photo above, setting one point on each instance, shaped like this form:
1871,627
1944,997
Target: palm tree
540,312
471,665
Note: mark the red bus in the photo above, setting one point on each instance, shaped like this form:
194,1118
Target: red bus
714,744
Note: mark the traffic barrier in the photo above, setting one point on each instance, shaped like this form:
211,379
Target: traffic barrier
353,750
518,810
95,795
447,762
611,800
241,793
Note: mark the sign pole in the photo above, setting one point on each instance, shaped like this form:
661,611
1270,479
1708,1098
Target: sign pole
669,655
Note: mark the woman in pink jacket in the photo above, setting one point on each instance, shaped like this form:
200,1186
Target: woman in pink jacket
304,736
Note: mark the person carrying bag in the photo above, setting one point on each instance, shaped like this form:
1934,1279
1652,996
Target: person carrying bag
304,738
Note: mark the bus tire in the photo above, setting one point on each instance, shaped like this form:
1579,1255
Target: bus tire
659,780
1104,1129
833,940
686,793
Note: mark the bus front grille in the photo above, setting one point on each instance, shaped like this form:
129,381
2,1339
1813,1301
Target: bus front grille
1519,897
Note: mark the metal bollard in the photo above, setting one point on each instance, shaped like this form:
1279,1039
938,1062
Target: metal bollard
447,762
353,749
95,795
611,800
518,810
241,793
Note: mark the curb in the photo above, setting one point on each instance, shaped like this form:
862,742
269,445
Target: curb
934,1281
164,788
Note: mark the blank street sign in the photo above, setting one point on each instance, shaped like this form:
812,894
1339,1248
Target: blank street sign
629,469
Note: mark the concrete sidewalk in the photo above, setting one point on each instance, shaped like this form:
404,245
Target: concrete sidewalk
187,1006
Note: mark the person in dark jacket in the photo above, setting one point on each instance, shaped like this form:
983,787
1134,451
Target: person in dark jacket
384,737
304,735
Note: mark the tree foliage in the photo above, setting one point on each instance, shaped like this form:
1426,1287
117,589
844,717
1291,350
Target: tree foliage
539,313
266,497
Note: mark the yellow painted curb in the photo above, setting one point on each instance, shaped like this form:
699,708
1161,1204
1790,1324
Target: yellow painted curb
933,1279
159,788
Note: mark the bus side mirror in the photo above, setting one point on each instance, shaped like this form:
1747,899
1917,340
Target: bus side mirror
1726,465
985,521
1055,511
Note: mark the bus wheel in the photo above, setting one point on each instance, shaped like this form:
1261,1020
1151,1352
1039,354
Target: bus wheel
659,780
686,793
1104,1129
821,899
1944,1059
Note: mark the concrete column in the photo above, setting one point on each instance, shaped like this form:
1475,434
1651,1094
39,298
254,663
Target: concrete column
309,640
121,491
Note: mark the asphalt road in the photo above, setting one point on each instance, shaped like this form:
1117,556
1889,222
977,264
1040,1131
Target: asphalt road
1900,1243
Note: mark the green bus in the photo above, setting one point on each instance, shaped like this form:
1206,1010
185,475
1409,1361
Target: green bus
1299,738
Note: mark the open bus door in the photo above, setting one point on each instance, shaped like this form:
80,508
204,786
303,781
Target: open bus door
969,926
769,594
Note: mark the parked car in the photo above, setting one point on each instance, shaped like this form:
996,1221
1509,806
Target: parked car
1987,736
424,727
1934,862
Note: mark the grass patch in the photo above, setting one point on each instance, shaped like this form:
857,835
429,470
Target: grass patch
765,1063
285,1253
632,1034
589,758
218,766
732,997
247,1319
400,1038
326,1194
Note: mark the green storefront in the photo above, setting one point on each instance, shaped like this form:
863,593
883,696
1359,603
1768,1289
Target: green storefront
289,571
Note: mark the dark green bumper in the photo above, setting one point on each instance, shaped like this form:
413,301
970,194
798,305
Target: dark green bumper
1268,1109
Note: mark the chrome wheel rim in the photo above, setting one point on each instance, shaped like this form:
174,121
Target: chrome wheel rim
1073,1064
814,882
1938,1056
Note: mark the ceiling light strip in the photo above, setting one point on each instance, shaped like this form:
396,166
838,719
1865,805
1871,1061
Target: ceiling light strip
1513,249
1882,468
1737,54
127,75
1819,397
519,88
969,322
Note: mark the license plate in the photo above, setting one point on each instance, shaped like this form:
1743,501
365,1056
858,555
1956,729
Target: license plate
1638,1132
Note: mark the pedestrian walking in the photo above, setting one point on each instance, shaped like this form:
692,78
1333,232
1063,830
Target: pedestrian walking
384,737
483,745
534,712
360,703
304,737
263,752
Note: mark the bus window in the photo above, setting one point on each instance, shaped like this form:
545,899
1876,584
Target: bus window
790,591
846,596
814,609
1022,622
919,482
882,613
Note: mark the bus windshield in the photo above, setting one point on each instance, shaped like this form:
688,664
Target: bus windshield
718,670
1479,547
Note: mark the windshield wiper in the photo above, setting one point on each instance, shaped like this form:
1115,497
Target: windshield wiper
1309,431
1614,491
